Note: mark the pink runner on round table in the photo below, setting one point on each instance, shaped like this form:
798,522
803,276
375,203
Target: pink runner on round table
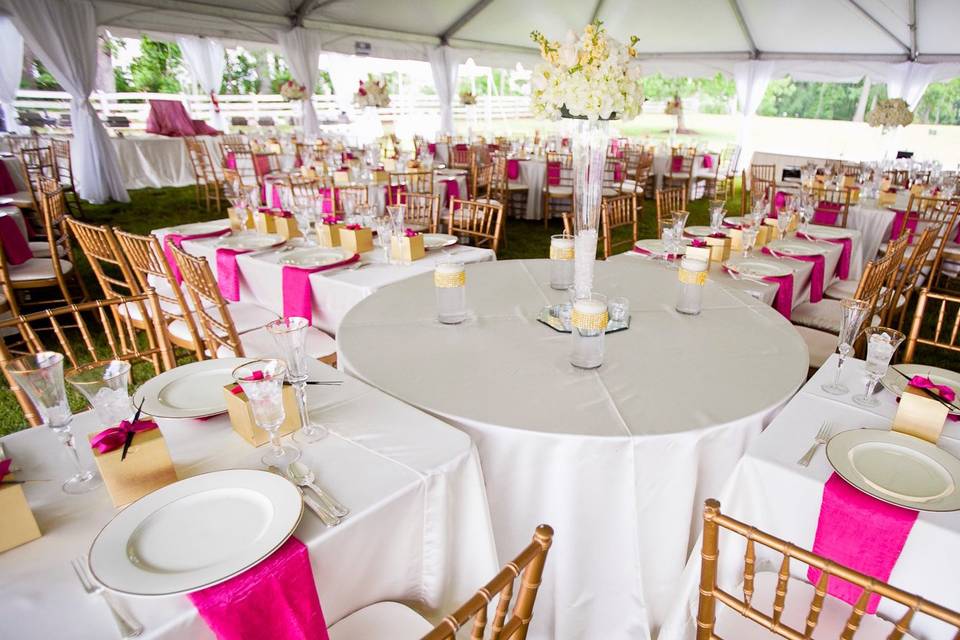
816,275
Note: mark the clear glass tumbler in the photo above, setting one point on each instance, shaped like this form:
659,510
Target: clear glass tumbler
450,279
561,261
589,324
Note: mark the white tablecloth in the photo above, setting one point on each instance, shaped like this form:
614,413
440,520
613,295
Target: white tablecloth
769,490
335,292
617,459
874,224
418,529
533,173
158,161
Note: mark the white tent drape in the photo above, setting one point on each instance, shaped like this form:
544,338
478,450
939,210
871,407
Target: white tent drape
64,37
205,61
752,78
909,80
11,64
301,50
344,75
445,67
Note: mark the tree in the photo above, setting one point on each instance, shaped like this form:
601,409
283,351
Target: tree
155,69
240,73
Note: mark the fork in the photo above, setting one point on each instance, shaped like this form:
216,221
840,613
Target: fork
127,625
821,438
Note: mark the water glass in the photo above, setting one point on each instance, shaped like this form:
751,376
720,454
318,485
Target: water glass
262,383
348,201
290,334
588,321
384,228
618,309
679,219
561,261
105,387
40,376
450,280
717,214
853,314
882,343
692,277
396,213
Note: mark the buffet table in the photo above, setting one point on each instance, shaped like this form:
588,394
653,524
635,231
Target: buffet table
159,161
619,459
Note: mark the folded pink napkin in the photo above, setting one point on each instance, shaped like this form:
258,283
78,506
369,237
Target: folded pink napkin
276,212
231,160
277,598
731,225
261,164
816,275
783,301
779,202
7,185
513,169
15,246
843,265
826,217
707,161
5,467
553,173
297,295
176,239
432,148
860,532
327,200
228,273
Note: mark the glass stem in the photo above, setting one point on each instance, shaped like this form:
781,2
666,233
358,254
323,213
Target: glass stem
871,383
301,389
66,437
274,434
836,378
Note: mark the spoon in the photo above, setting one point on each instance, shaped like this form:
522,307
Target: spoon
327,518
301,475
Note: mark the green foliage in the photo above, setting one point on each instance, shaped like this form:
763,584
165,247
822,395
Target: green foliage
714,93
240,74
786,98
154,70
940,104
42,79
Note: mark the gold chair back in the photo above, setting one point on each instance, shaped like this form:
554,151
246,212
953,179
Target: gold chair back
480,222
422,209
668,201
909,276
615,213
765,172
63,163
415,181
106,259
941,333
53,211
837,197
204,172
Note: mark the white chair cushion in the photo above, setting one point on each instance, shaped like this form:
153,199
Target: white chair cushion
842,289
515,185
488,201
609,192
247,316
824,315
678,176
37,269
559,190
630,186
820,344
830,625
381,620
21,199
259,344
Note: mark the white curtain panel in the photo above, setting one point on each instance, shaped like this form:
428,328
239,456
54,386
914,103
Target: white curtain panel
344,75
752,78
445,67
11,63
301,50
63,34
205,60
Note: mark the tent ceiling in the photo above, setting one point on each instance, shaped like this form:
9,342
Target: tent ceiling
682,29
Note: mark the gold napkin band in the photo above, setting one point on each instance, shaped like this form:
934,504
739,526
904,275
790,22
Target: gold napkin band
693,277
558,253
590,321
450,280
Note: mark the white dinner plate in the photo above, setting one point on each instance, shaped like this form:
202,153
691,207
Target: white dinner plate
703,231
197,228
796,248
757,267
313,257
251,241
193,390
656,246
897,468
438,240
733,221
195,533
894,383
4,201
822,232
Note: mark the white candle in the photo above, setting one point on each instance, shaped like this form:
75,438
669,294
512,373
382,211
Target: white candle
590,306
562,243
449,269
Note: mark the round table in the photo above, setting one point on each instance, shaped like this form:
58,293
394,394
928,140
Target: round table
618,459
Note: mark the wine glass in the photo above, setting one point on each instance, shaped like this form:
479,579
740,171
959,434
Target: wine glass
105,388
304,211
384,227
348,200
40,376
716,215
882,343
679,222
853,314
262,383
290,335
784,218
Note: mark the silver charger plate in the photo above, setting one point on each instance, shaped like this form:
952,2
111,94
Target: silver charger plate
549,316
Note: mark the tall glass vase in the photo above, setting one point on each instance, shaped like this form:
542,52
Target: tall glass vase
589,139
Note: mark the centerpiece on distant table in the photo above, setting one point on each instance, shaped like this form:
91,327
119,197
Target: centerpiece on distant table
291,90
467,98
588,79
372,93
890,114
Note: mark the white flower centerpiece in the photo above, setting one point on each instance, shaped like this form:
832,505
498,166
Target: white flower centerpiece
890,114
589,79
467,99
372,93
291,90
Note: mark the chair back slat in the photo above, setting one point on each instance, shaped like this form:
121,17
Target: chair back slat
421,209
749,570
945,308
106,259
615,213
816,604
479,222
668,201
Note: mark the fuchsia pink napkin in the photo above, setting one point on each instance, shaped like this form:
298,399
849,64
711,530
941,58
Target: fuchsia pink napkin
453,190
860,532
843,265
15,246
553,173
393,191
432,148
5,467
816,275
297,298
228,273
7,185
901,220
783,301
177,239
513,169
676,164
618,172
276,598
826,213
707,161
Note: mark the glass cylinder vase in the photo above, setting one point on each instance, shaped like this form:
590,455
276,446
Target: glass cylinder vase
589,140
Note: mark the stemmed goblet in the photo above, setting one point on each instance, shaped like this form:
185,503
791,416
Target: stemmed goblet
882,343
290,334
853,314
262,383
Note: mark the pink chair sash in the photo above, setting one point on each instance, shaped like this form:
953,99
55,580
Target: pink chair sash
826,216
432,148
860,532
707,161
676,164
228,273
278,595
15,246
901,220
553,173
297,294
231,160
453,190
393,191
7,186
618,172
513,169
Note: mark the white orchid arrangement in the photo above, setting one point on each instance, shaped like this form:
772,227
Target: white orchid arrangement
291,90
890,113
591,76
468,99
372,93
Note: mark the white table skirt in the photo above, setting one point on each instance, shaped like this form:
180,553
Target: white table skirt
533,173
874,224
334,292
159,161
769,490
418,531
618,459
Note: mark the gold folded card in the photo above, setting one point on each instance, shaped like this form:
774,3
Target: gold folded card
146,468
241,418
719,248
356,240
328,235
919,415
285,226
19,525
407,248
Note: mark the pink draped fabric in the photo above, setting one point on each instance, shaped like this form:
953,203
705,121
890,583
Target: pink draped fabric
783,302
676,164
393,191
432,148
453,191
900,221
327,200
201,128
707,161
297,295
169,118
7,185
15,246
231,160
278,595
618,172
177,239
846,252
228,273
553,173
860,532
513,169
816,275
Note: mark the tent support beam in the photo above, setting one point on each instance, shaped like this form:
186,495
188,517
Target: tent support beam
596,11
879,25
738,14
462,21
305,8
913,30
210,9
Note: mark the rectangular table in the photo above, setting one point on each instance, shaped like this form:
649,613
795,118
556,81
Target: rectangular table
419,530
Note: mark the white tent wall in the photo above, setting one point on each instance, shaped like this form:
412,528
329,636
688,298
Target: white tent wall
11,66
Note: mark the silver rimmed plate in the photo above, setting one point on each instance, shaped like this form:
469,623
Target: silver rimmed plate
438,240
699,231
895,383
796,248
733,221
313,257
193,390
251,241
656,247
827,233
198,228
757,267
195,533
897,468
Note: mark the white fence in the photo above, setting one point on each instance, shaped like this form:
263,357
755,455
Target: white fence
135,107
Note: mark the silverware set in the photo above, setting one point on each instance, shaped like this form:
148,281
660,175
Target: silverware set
823,435
127,624
330,510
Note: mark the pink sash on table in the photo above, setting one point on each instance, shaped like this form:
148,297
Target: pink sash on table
169,118
228,273
843,265
15,246
860,532
278,596
783,301
816,275
513,169
7,186
826,214
231,160
297,298
176,239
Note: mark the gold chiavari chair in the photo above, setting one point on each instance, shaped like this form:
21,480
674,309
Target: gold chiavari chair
38,163
481,223
461,156
760,191
886,299
616,213
923,212
909,276
668,201
563,190
636,185
897,177
851,169
205,174
359,194
422,209
613,168
939,334
481,180
384,619
264,164
151,269
763,611
836,198
63,163
240,155
765,172
684,173
303,187
104,335
415,181
719,186
567,218
106,259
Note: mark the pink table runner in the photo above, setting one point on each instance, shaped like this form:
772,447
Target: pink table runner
297,298
177,239
816,275
15,246
843,265
453,191
7,186
276,598
783,301
860,532
228,273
